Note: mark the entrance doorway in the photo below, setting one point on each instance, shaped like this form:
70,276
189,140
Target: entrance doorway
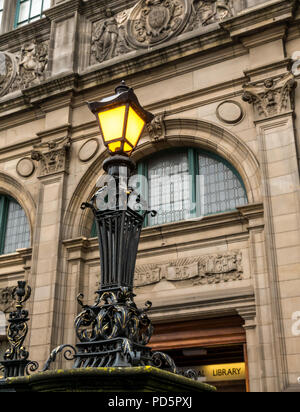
215,348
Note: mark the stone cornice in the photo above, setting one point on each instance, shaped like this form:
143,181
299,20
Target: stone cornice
20,257
13,40
206,305
260,18
220,38
64,8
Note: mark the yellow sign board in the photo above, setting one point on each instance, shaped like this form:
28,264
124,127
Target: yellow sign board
221,372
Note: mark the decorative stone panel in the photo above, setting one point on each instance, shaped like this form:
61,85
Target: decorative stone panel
200,270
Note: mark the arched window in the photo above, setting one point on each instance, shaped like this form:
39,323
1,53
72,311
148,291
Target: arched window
30,10
14,227
188,183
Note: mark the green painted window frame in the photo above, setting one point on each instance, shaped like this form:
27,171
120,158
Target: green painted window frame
29,19
193,165
5,201
94,229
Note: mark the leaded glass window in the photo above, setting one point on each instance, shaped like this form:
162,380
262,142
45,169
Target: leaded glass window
190,183
14,227
30,10
221,187
168,182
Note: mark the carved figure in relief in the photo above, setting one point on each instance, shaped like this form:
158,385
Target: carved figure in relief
210,11
32,64
108,39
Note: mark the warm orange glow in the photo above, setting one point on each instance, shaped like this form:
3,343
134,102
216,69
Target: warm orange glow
134,128
112,123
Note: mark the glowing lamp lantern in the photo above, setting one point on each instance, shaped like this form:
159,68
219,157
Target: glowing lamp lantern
121,120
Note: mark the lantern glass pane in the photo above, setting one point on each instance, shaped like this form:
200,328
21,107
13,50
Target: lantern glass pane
127,148
135,127
112,123
114,147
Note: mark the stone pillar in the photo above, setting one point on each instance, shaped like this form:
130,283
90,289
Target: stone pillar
65,29
273,103
47,274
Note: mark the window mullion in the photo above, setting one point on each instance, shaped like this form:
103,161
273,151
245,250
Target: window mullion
4,202
193,172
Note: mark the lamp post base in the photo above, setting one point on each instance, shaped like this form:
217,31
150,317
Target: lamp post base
118,352
137,379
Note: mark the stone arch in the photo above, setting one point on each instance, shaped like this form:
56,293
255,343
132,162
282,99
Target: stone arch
10,186
211,137
178,132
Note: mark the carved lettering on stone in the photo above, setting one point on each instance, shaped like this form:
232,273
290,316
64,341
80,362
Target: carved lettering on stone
271,96
55,158
201,270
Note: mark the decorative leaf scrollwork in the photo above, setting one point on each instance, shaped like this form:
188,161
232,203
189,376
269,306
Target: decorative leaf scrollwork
163,361
69,354
117,317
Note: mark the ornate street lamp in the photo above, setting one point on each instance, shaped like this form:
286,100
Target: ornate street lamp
121,120
113,332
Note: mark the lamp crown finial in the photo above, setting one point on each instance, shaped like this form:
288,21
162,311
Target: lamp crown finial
122,88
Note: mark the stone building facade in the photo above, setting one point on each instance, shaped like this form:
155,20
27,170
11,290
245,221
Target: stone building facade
221,79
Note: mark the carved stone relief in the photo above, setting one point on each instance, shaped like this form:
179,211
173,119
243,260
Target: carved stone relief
152,22
24,69
271,96
157,128
8,71
201,270
108,37
155,21
6,300
53,156
206,12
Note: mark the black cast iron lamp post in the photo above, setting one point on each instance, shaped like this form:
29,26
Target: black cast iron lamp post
113,332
